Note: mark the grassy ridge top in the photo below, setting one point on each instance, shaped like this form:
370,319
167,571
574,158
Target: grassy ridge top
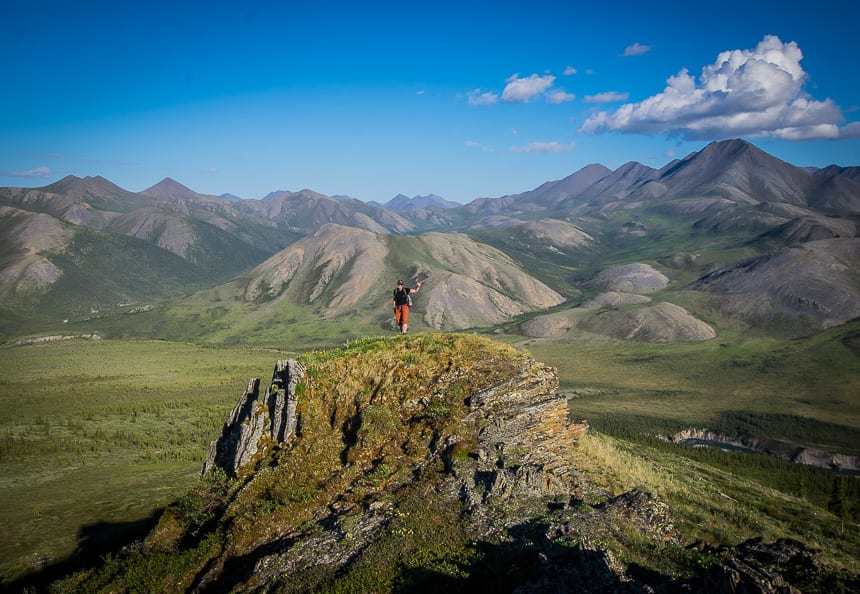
373,415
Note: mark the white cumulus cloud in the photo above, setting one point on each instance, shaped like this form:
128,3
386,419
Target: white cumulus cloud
754,93
559,96
852,130
544,147
476,97
522,90
637,49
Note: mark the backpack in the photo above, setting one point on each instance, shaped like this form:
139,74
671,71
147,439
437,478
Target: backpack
408,297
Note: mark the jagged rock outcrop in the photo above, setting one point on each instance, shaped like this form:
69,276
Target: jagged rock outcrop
525,438
253,422
784,566
524,414
512,443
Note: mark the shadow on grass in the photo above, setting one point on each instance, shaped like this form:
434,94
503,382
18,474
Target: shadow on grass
525,565
94,542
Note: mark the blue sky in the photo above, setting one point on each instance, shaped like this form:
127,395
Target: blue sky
461,99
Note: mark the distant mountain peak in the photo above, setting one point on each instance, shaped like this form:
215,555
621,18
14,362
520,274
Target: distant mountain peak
305,193
401,203
170,188
552,193
729,151
74,185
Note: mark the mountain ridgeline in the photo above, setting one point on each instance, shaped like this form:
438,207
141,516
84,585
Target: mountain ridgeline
446,458
735,236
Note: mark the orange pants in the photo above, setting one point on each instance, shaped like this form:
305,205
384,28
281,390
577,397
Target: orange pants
401,314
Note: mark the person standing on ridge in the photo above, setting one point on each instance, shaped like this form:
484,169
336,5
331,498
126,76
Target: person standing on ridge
402,302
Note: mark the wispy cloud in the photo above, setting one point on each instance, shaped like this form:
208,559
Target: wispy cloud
637,49
570,70
544,147
76,159
608,97
478,145
38,172
477,97
522,90
754,93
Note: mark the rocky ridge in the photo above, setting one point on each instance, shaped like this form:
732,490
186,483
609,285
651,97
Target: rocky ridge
512,442
470,453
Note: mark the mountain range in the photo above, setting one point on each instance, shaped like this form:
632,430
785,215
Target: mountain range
401,203
740,236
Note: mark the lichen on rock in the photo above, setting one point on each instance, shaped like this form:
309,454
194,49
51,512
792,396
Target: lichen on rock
252,420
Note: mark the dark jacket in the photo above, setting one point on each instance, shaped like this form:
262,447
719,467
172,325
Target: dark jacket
401,297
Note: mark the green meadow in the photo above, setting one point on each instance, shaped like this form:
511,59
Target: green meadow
96,433
668,387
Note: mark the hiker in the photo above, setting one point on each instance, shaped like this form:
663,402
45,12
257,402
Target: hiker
402,302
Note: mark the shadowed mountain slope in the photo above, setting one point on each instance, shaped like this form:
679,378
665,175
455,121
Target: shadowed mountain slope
818,281
24,237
